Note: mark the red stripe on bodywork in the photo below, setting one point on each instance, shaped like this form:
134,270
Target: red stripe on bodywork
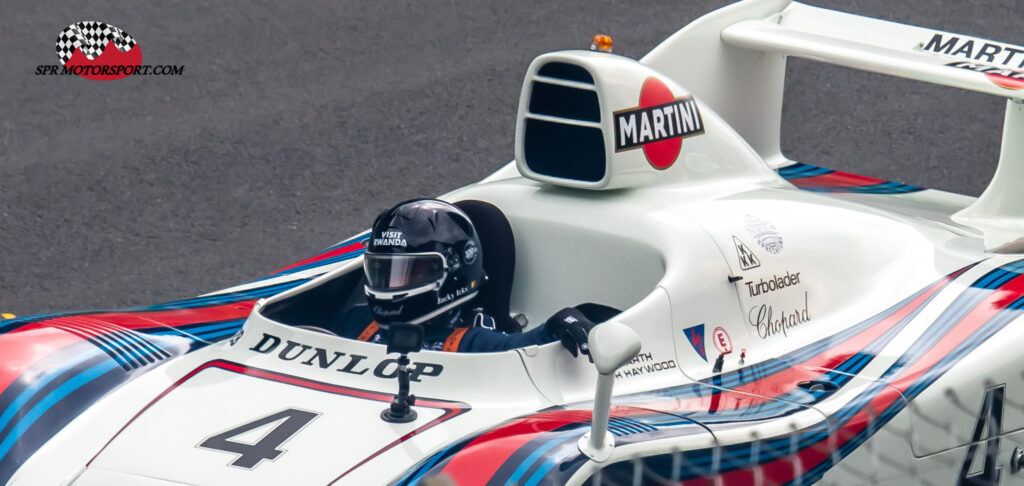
481,458
149,319
323,256
836,179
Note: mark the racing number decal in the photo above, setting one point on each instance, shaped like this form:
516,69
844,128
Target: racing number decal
990,415
286,424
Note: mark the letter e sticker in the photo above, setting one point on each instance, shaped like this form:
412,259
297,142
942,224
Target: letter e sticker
722,341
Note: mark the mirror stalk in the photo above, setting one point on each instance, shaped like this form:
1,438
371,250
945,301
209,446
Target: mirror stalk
612,345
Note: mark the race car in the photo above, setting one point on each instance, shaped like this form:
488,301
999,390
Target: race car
772,321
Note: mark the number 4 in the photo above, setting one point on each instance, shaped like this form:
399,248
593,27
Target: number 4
251,455
991,414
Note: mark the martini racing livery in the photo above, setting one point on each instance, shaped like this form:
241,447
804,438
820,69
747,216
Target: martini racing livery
760,320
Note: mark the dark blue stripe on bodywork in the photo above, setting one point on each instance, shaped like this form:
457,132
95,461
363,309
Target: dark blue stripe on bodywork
800,170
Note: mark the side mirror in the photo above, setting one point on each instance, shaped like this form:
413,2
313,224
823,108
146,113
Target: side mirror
612,344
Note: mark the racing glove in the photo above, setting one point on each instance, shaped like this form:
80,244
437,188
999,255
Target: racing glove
571,327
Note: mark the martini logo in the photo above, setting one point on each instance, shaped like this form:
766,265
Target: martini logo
1000,63
658,124
695,335
993,53
87,48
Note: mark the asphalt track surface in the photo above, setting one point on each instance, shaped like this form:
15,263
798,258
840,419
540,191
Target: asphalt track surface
295,123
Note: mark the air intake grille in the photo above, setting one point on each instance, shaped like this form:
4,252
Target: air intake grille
566,71
563,136
564,101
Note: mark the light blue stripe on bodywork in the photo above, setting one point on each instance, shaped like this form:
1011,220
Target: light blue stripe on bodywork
55,396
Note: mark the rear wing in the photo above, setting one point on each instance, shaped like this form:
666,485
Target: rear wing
734,59
887,48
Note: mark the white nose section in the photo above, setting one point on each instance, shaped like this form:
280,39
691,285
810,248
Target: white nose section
230,427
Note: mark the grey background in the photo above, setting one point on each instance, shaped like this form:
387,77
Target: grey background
295,123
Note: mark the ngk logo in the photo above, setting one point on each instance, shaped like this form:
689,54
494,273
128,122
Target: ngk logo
658,124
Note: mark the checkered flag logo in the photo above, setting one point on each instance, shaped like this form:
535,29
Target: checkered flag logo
92,38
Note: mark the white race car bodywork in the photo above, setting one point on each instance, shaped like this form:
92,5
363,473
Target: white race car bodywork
848,330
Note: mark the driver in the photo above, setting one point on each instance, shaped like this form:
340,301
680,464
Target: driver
423,265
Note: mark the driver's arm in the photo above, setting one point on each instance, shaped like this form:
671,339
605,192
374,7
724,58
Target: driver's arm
568,325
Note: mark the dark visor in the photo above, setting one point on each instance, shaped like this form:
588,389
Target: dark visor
399,272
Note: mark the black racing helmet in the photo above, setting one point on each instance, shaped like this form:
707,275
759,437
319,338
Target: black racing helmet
423,258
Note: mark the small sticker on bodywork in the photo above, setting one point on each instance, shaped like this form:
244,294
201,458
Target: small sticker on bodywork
764,234
721,340
642,364
695,335
745,256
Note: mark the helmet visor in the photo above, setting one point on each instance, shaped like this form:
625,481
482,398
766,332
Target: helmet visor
400,272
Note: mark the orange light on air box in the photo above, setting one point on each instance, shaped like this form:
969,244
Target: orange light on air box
601,42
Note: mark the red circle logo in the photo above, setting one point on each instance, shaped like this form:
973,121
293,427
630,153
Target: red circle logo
661,154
